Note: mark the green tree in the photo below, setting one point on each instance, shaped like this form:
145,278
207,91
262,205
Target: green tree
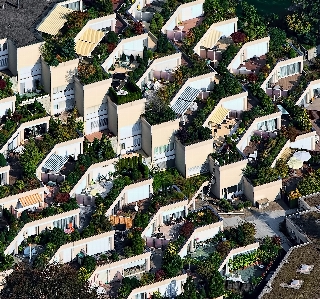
189,290
53,282
215,285
153,26
278,38
3,161
89,262
112,37
30,158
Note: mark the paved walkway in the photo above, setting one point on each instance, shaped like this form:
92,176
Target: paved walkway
267,224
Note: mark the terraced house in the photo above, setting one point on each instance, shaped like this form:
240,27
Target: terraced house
152,149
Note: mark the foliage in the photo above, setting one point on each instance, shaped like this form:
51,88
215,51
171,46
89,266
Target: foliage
310,183
136,242
157,114
5,88
189,290
3,161
134,93
202,217
54,281
238,37
187,229
209,265
128,284
89,263
252,24
6,261
228,154
242,235
91,73
215,285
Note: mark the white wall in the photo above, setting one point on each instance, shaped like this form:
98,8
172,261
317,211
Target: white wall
236,104
226,29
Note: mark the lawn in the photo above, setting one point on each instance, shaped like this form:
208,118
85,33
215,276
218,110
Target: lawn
270,6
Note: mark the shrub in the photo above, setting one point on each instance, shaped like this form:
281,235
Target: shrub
187,229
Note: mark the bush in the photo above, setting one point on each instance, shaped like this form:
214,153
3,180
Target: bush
3,161
89,263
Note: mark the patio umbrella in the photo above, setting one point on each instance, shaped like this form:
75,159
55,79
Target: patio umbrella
294,163
302,155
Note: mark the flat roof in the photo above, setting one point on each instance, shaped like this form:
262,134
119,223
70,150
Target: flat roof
309,255
309,223
19,25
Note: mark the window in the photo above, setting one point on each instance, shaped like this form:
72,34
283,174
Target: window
55,107
5,46
156,150
94,124
123,146
171,146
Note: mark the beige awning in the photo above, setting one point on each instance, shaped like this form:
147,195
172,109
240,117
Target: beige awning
211,39
88,41
219,115
30,200
54,21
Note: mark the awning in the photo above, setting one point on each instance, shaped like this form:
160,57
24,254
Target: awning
30,200
55,20
219,115
211,38
88,41
286,154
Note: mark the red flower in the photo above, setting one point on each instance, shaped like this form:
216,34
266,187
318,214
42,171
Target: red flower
3,84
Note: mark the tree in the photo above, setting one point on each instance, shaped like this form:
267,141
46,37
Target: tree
153,26
89,262
215,285
30,158
238,37
278,38
112,37
189,290
56,281
211,264
3,161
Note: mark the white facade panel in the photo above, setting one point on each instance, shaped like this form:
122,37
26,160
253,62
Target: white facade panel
258,50
226,30
199,84
174,210
98,246
237,104
67,257
186,14
197,11
205,235
138,193
305,143
4,107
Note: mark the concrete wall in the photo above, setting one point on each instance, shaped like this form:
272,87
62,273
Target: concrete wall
178,15
88,176
160,64
295,231
308,95
74,143
248,50
273,76
12,200
234,21
237,251
200,234
19,133
5,170
98,23
192,155
245,139
106,273
169,287
157,135
122,198
141,40
68,252
226,176
7,103
36,227
225,102
271,191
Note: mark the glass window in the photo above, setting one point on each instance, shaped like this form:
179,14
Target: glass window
5,46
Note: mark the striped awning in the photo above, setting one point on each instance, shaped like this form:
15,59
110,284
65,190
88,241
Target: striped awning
219,115
54,21
88,41
211,39
30,200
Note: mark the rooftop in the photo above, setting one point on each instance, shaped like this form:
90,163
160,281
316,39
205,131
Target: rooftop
312,200
308,255
309,223
19,24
